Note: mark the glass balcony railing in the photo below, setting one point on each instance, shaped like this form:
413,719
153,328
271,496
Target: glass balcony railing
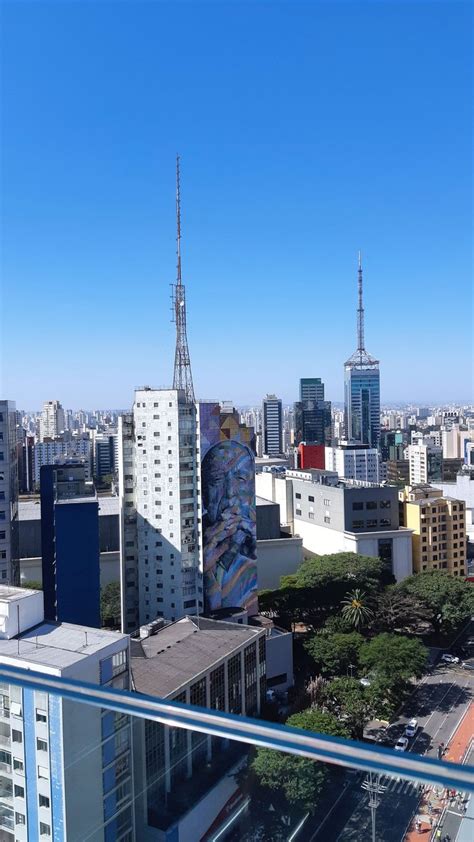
108,764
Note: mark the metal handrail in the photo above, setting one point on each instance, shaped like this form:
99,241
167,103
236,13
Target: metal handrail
320,747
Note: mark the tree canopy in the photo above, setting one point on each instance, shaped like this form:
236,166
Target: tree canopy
450,600
110,604
299,779
394,657
334,653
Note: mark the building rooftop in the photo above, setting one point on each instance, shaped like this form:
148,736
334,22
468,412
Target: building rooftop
57,645
182,651
11,594
31,509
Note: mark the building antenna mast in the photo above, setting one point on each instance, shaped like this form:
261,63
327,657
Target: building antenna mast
183,378
360,313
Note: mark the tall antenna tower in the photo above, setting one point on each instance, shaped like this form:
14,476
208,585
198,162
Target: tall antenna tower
360,358
183,378
360,312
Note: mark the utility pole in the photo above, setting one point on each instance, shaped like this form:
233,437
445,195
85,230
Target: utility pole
373,787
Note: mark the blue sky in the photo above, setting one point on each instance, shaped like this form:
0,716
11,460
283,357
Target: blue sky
306,131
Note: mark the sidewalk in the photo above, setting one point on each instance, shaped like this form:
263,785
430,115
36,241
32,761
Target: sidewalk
434,800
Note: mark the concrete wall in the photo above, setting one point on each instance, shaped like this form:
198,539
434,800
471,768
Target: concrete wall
279,659
278,557
30,568
268,519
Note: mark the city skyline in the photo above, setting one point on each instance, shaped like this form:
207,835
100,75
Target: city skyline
89,198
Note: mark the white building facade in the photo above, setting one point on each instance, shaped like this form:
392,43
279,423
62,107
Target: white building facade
160,511
53,420
47,452
426,463
361,463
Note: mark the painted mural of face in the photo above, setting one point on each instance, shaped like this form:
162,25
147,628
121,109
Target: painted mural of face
228,481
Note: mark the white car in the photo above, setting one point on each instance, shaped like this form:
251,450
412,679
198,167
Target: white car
401,744
449,659
411,728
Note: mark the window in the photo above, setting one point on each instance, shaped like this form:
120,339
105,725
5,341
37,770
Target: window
385,504
384,521
43,801
298,496
18,766
311,499
371,523
327,519
20,818
371,504
45,829
41,715
326,502
19,791
41,745
311,515
298,511
356,507
17,736
357,524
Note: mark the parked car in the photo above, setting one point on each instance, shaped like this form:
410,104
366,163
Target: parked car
449,659
401,744
468,665
411,728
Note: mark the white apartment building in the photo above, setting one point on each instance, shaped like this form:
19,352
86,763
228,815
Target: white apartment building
426,463
56,756
160,512
361,463
47,452
9,551
53,420
454,442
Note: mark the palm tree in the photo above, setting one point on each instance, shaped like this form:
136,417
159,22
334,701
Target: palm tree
355,608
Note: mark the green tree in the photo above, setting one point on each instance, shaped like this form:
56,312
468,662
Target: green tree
33,584
397,610
355,608
300,780
334,653
449,600
348,700
394,657
110,605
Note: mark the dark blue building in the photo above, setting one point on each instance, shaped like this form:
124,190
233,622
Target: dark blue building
70,545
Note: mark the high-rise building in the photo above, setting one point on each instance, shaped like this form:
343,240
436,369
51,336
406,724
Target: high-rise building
64,447
426,463
9,550
70,545
272,423
66,767
312,414
160,540
105,455
53,421
362,387
439,529
354,462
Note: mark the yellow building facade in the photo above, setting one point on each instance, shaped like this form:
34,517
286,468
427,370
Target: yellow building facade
439,529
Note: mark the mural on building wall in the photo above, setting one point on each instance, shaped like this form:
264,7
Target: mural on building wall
229,517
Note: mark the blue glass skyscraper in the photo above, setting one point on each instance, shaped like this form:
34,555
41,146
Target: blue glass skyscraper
362,387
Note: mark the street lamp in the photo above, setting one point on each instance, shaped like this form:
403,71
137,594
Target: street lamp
351,667
373,787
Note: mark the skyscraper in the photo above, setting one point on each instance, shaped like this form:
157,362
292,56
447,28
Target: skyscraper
9,551
362,387
312,414
272,423
160,540
53,421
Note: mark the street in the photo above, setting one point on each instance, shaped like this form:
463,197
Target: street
438,704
